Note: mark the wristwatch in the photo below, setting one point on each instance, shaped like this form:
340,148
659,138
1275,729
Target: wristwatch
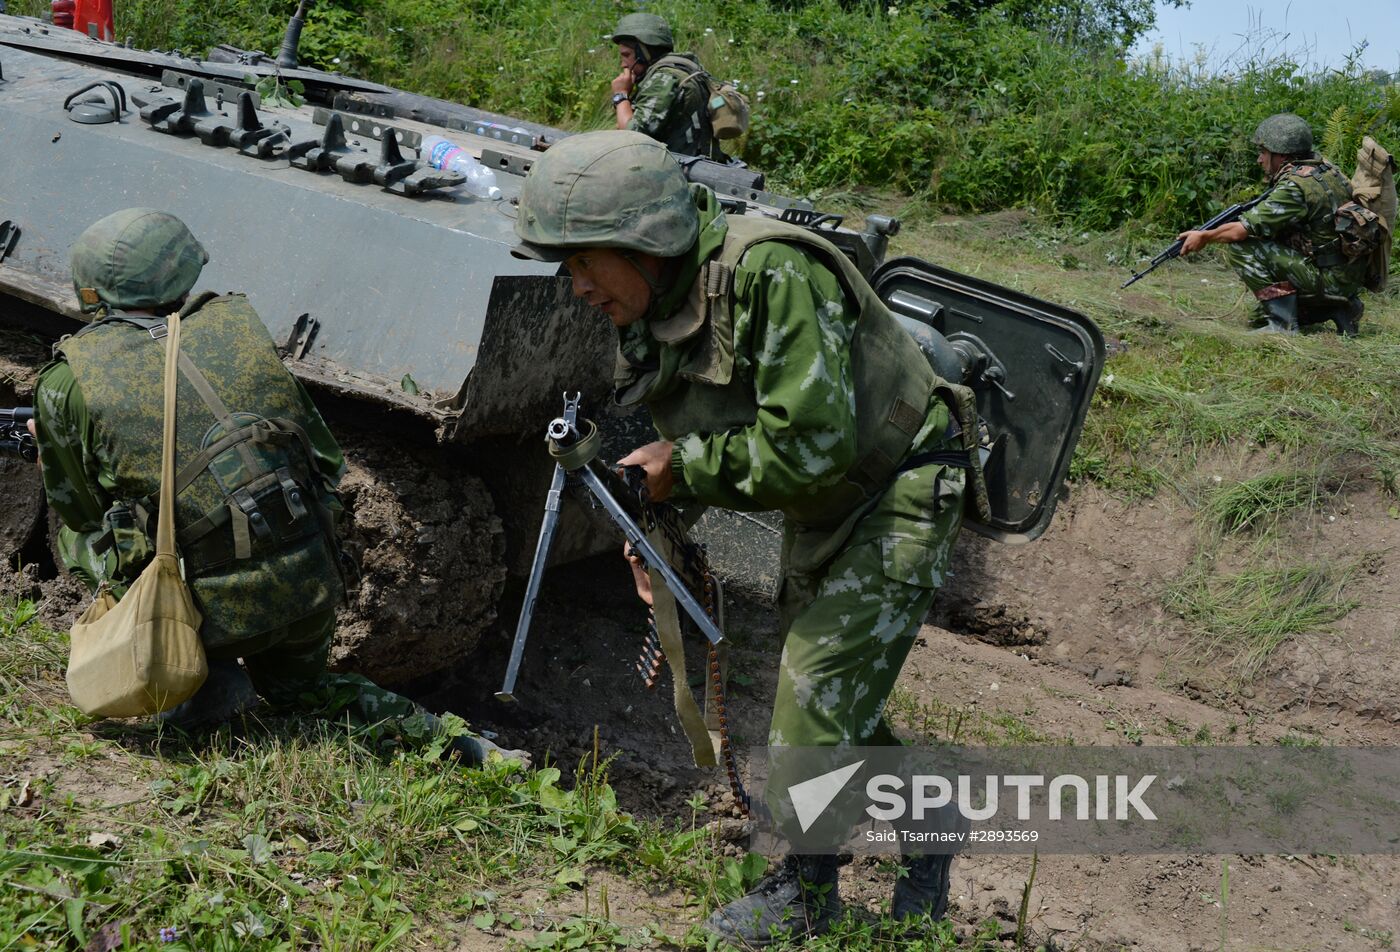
619,98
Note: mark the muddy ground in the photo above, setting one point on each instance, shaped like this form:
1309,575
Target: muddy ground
1068,637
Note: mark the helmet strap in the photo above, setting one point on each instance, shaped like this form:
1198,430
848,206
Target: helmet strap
657,284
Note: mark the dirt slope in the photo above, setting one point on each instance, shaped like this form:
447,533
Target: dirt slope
1064,638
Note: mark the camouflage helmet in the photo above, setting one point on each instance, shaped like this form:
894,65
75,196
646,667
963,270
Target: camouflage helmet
1284,134
646,28
135,258
612,189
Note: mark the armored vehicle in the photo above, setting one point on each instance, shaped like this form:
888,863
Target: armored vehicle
437,357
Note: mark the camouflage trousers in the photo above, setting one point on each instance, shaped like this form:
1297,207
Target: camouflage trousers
849,628
849,635
291,675
1270,269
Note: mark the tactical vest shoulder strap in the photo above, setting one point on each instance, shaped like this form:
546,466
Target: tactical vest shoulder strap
678,62
747,232
153,325
692,72
907,410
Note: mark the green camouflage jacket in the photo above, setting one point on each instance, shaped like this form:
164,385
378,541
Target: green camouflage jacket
674,115
792,333
84,477
1299,207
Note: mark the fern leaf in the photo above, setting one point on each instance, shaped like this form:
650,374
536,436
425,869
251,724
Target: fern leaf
1338,131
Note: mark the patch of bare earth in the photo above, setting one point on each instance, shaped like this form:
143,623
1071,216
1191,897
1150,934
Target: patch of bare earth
1067,636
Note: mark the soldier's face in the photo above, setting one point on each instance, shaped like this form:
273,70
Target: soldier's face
611,283
627,54
1269,162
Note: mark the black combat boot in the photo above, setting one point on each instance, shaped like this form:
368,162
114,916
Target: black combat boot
923,888
225,694
799,899
1281,313
1347,316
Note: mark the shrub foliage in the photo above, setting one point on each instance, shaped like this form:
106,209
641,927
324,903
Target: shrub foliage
974,105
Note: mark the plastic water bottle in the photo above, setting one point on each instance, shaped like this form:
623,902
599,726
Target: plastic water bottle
444,154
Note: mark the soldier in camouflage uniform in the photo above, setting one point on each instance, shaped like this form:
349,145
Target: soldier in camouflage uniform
776,380
1286,248
265,577
653,95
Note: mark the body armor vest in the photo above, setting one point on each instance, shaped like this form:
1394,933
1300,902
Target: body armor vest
1324,189
892,378
690,111
253,524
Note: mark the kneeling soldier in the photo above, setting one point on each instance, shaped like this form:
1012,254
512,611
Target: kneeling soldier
256,504
1287,249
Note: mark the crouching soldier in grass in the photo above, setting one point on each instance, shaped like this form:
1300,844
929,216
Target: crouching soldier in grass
256,500
1288,249
776,380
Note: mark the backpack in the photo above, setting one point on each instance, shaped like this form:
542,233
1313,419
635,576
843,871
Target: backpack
1373,191
726,107
255,529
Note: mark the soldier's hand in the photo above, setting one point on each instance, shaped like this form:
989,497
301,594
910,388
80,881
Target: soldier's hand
655,460
623,83
640,576
34,433
1192,241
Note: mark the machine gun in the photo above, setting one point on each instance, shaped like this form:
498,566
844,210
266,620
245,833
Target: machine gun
1173,250
15,437
657,533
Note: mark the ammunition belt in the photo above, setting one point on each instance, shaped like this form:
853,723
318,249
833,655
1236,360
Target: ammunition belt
695,571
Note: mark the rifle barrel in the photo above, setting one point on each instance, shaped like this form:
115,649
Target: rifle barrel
1174,249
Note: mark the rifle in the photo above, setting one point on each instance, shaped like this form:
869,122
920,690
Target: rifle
657,533
1173,250
14,433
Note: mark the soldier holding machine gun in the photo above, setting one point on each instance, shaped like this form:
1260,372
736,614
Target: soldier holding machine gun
776,380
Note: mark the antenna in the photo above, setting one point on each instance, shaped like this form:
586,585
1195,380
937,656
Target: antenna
287,56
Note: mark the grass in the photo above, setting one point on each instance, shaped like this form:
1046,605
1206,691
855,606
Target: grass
1260,503
290,834
283,834
1242,618
937,721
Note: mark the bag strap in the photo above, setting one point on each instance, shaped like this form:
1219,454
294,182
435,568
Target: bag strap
165,523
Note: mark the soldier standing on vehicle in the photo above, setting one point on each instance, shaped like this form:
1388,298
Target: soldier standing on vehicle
654,94
256,502
1288,249
776,380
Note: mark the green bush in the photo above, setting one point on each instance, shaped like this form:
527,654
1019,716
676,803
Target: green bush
974,105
